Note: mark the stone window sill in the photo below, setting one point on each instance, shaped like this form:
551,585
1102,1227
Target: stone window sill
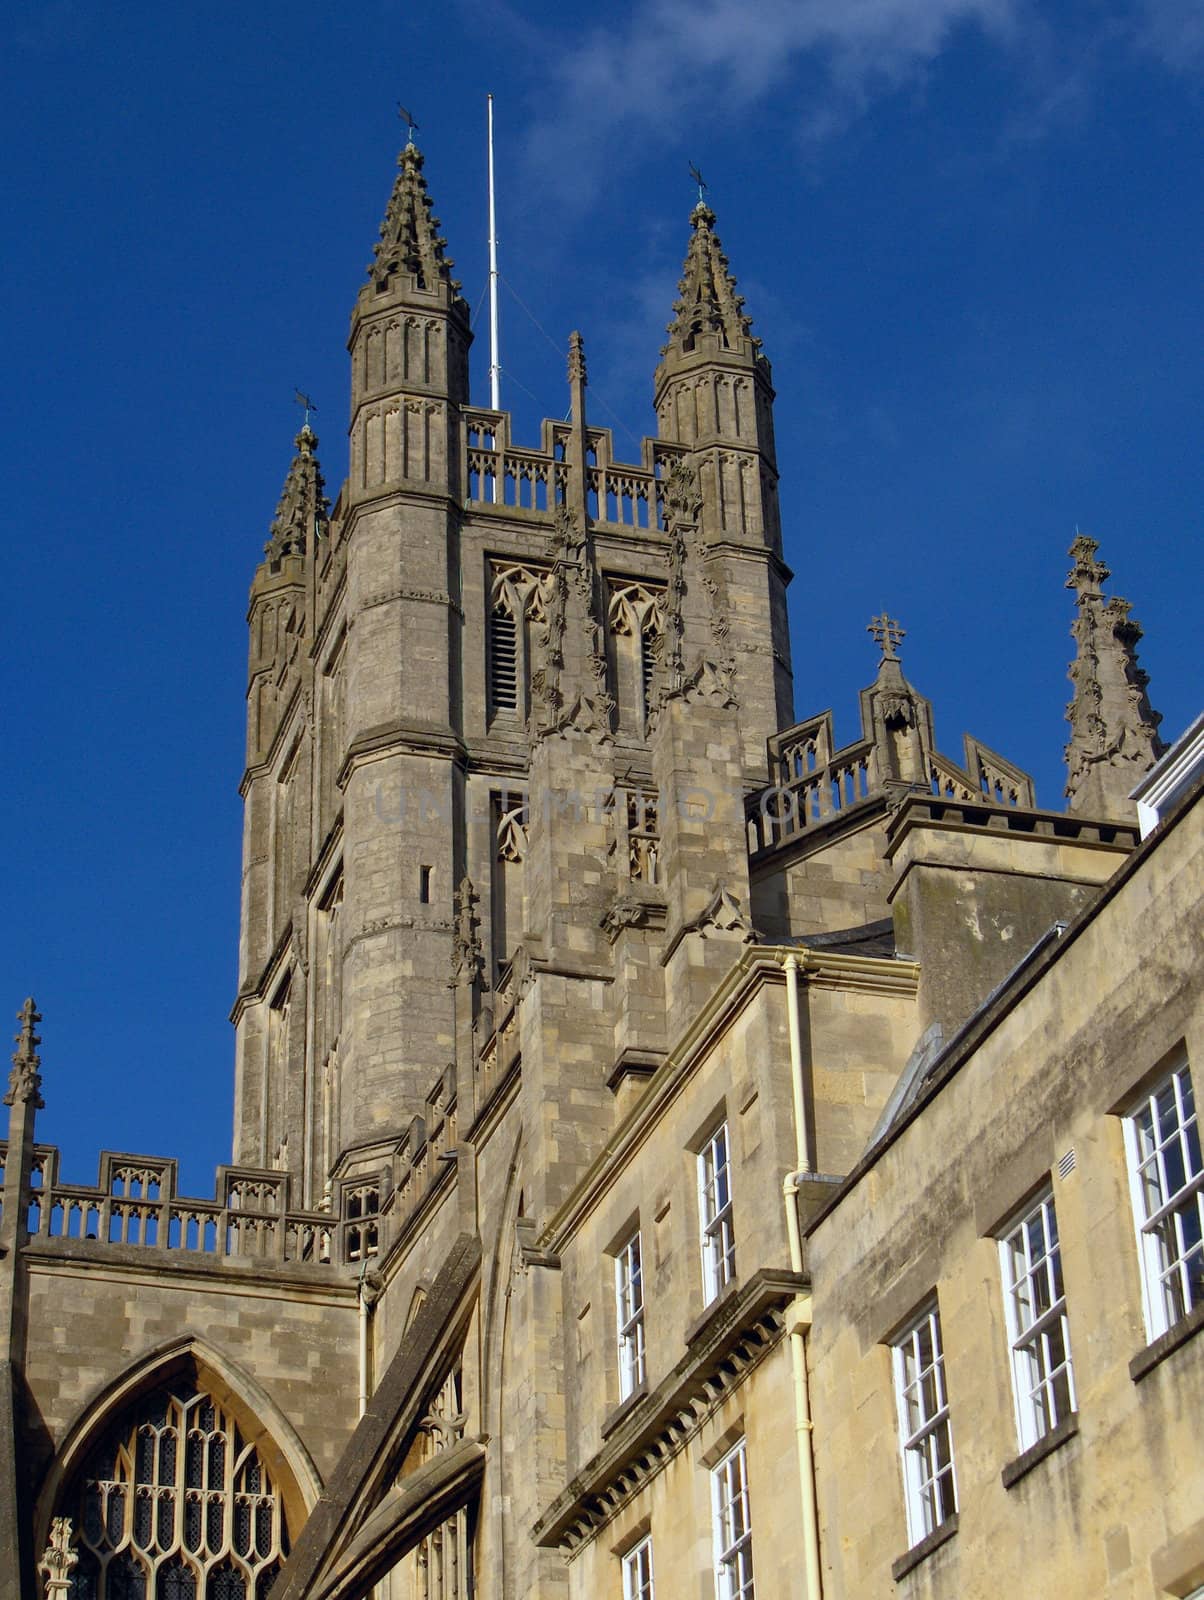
1045,1446
1166,1344
714,1310
624,1409
920,1552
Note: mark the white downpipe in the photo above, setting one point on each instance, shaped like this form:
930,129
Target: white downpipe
802,1160
800,1311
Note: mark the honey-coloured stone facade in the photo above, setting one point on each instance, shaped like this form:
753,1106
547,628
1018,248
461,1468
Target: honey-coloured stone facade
619,1064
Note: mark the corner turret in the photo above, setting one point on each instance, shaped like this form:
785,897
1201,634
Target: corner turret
713,394
409,347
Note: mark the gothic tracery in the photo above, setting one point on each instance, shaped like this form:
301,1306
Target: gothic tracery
175,1504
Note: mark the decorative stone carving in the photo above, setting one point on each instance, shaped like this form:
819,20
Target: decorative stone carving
1114,730
572,693
707,301
59,1559
512,833
444,1423
409,235
710,680
25,1080
302,515
468,954
576,358
632,910
724,914
683,494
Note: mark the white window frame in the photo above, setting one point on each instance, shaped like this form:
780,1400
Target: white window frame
1034,1298
925,1430
1166,1175
629,1314
717,1233
637,1571
732,1526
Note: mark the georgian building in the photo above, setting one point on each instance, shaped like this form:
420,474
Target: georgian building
659,1133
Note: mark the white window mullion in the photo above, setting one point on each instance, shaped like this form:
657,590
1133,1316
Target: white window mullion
1162,1139
629,1315
1037,1325
732,1527
925,1431
637,1571
715,1214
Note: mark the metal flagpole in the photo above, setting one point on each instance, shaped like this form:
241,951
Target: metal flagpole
495,372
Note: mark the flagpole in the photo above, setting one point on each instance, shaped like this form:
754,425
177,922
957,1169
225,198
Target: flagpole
495,372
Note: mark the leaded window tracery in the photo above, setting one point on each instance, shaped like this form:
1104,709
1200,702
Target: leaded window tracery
175,1504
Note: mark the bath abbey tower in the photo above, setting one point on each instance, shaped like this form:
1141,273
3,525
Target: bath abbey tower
674,1156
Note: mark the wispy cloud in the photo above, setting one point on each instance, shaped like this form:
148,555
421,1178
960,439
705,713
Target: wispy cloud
672,57
1173,31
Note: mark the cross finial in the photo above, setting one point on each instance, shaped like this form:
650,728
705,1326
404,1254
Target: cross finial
700,181
411,125
306,404
888,635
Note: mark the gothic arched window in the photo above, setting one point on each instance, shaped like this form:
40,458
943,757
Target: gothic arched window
637,621
174,1503
517,596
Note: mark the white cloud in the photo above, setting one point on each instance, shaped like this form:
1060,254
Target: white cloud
671,57
1173,30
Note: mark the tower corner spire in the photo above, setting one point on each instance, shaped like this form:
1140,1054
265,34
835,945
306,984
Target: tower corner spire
410,243
1114,730
25,1079
709,311
302,510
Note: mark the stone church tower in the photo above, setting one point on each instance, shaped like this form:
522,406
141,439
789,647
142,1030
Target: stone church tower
575,977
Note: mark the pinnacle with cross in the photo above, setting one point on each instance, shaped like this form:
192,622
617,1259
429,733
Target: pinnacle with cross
888,635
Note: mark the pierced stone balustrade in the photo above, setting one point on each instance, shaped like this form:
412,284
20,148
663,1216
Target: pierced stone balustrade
813,789
136,1203
618,494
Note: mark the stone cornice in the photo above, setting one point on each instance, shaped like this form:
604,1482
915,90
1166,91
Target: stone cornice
150,1267
434,597
1038,827
400,738
330,848
740,1331
402,491
271,970
750,552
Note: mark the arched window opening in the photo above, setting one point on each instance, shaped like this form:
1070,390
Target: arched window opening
175,1504
637,620
517,610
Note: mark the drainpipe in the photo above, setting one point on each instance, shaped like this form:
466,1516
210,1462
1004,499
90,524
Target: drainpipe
799,1312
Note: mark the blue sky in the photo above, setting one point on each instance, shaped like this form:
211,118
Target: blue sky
969,233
